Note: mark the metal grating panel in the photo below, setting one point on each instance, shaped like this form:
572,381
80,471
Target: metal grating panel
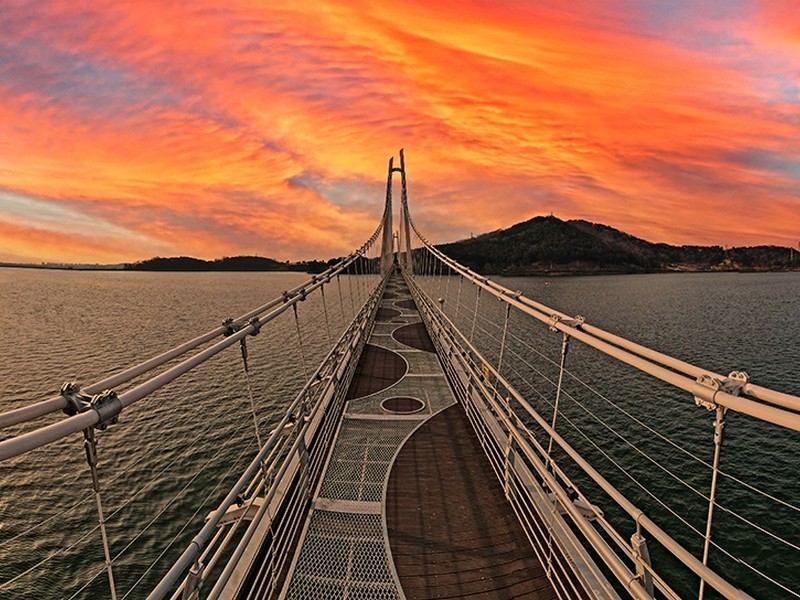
421,363
433,390
343,556
361,458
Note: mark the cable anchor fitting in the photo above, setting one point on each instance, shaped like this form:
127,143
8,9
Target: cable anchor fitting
76,402
256,324
108,406
575,322
230,326
707,387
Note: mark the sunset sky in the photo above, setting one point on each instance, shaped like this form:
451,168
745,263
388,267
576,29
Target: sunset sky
135,129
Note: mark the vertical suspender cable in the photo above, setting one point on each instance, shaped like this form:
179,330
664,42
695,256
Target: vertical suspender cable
352,303
548,464
361,272
341,300
475,316
243,345
719,427
458,298
90,445
325,310
429,272
447,289
359,283
439,283
300,341
503,340
563,362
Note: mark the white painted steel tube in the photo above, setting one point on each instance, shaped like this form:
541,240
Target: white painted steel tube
40,409
45,407
45,435
772,414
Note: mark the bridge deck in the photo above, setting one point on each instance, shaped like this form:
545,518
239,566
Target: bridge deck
408,500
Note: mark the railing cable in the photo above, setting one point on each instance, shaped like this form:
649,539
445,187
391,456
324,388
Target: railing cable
200,507
55,554
109,516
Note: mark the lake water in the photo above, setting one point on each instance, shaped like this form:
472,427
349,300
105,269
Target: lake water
182,448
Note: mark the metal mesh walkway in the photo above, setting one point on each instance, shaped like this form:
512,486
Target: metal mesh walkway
343,556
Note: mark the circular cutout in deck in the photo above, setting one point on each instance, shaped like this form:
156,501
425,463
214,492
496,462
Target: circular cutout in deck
402,405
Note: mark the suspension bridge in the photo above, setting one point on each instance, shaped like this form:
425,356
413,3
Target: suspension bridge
437,449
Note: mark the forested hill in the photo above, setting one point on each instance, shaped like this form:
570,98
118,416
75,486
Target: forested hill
548,245
234,263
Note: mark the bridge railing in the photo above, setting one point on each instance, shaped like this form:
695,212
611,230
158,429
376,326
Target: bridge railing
506,356
273,494
352,283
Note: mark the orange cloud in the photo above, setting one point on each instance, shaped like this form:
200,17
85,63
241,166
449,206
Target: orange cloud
199,130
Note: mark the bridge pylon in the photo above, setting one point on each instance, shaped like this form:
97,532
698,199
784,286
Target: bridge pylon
387,244
404,243
403,250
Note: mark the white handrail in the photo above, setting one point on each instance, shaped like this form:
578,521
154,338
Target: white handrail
39,409
44,435
644,359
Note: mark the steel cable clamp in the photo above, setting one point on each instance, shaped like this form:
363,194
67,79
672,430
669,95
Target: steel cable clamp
76,402
575,323
707,386
106,404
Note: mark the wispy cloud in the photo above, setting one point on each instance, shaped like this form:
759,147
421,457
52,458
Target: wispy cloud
192,128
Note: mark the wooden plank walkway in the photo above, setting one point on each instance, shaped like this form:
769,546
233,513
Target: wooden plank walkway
451,530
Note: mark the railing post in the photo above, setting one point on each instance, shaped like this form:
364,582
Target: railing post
641,556
191,588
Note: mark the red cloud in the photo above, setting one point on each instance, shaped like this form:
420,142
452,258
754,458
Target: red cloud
186,123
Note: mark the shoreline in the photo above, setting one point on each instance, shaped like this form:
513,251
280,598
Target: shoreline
521,273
